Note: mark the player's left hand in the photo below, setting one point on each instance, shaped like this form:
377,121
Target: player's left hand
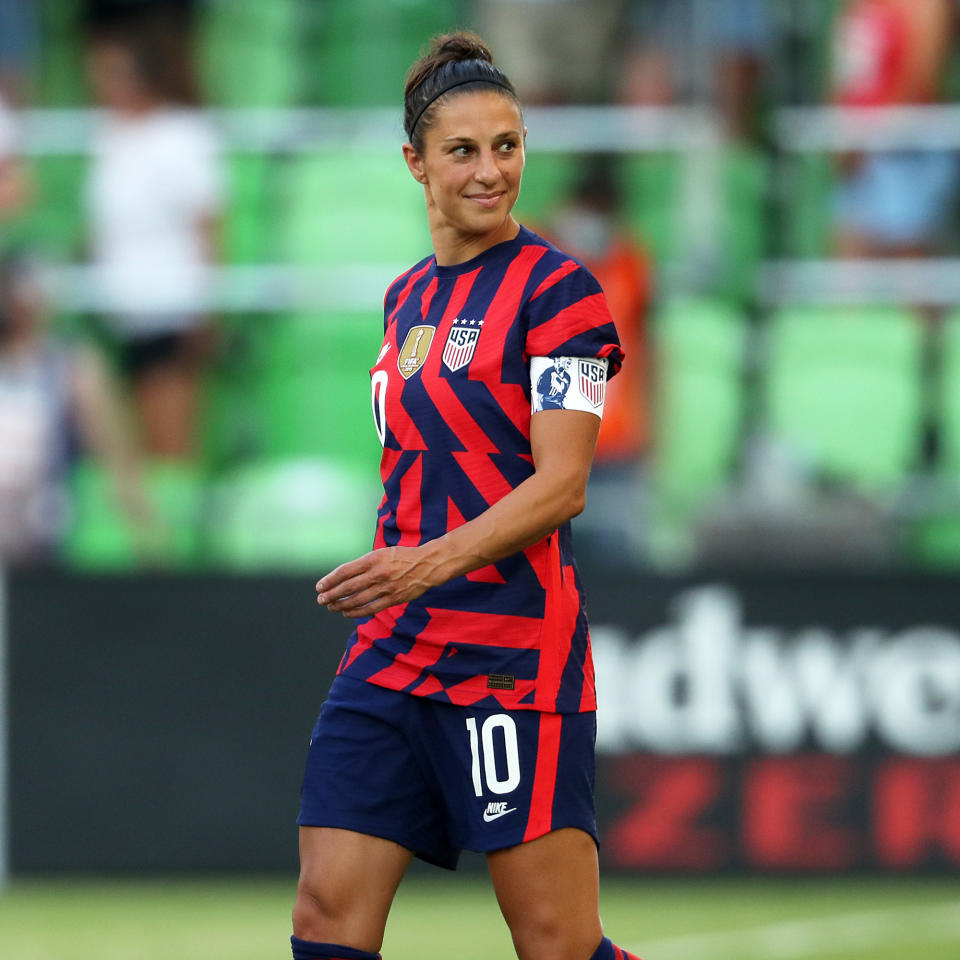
377,580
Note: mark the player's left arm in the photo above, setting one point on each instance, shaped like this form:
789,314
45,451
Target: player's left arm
562,443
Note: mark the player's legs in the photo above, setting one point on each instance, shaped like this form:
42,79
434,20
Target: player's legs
347,883
548,891
364,810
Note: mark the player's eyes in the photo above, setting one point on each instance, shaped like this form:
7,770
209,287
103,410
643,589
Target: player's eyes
507,146
461,151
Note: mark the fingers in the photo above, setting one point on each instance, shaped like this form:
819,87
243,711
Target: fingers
361,604
354,593
370,609
344,572
369,584
367,577
328,596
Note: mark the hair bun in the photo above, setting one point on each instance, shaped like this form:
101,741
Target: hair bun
462,45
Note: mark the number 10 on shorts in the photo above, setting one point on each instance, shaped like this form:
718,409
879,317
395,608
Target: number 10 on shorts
498,721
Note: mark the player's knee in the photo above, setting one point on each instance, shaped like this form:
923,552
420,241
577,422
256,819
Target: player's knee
545,933
319,914
307,915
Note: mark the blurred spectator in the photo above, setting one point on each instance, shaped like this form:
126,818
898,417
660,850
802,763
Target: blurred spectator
555,51
588,225
154,195
14,187
892,53
17,40
691,51
18,37
51,397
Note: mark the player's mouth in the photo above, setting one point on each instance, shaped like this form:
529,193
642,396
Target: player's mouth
487,200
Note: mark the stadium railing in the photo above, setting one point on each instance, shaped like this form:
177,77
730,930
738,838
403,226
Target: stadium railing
692,132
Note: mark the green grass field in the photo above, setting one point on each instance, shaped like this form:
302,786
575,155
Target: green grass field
896,919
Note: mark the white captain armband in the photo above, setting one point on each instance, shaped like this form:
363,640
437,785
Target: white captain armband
568,383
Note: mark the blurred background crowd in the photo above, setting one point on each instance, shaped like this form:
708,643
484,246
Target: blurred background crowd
191,273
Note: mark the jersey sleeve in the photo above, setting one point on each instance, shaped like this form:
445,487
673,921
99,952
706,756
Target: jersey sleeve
397,291
568,316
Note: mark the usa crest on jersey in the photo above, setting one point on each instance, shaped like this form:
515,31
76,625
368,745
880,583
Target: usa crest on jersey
461,342
593,380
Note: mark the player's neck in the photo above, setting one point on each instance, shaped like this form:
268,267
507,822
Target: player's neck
452,246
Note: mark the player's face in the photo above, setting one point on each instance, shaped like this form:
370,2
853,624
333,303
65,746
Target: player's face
471,166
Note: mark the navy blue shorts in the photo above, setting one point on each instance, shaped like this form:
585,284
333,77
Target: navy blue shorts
439,778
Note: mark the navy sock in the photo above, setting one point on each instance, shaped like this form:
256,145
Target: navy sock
610,951
305,950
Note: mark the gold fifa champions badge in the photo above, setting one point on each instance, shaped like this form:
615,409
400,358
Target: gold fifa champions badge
414,350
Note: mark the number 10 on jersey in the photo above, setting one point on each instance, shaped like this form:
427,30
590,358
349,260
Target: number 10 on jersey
487,756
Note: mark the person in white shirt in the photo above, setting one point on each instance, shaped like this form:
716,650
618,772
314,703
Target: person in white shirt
154,195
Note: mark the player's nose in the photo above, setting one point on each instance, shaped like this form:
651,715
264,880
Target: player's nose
486,171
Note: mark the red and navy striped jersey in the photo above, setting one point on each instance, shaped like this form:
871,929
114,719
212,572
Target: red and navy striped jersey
451,402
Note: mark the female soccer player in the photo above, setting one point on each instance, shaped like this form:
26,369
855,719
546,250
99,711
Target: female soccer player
463,712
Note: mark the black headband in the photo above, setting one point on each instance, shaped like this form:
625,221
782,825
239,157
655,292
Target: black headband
476,78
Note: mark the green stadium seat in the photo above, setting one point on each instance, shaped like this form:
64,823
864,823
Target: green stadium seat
949,397
746,174
101,538
59,71
366,46
321,341
250,53
348,207
248,237
655,205
176,492
293,385
844,388
324,413
653,182
305,387
291,514
932,542
806,198
547,180
932,538
57,224
806,182
700,348
228,417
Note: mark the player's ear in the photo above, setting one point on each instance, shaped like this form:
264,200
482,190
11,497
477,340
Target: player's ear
414,163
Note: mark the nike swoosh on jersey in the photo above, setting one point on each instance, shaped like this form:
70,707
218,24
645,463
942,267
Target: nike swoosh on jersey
488,816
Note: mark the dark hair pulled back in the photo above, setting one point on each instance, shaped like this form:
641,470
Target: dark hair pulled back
454,63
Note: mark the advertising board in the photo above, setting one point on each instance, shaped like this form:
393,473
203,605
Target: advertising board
776,723
781,723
